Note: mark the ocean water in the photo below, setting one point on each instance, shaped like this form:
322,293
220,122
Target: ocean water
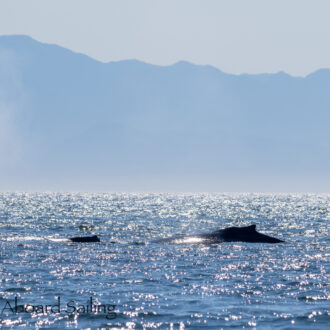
127,282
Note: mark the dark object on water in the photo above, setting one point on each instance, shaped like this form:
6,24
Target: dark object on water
86,239
231,234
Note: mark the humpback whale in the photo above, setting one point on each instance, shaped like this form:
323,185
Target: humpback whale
85,239
231,234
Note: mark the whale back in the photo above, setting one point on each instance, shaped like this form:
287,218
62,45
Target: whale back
85,239
251,228
246,234
238,233
239,230
232,234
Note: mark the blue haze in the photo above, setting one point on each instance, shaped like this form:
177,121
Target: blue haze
79,124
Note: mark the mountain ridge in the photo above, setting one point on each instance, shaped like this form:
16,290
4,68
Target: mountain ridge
30,39
78,123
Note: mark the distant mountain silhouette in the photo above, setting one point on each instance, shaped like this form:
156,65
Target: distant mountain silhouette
69,122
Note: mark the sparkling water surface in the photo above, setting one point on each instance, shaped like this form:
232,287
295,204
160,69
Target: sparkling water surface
144,285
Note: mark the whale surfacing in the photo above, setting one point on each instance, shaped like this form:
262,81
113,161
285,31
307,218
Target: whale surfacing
86,239
232,234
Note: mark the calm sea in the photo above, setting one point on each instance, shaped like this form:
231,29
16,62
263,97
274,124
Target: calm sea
126,282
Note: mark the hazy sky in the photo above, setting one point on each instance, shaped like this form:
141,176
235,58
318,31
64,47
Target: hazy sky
237,36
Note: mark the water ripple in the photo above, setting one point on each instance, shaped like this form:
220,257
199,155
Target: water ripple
163,286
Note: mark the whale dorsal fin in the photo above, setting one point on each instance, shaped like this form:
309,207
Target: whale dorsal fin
251,228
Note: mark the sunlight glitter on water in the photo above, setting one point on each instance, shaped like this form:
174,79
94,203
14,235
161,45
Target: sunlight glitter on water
157,285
